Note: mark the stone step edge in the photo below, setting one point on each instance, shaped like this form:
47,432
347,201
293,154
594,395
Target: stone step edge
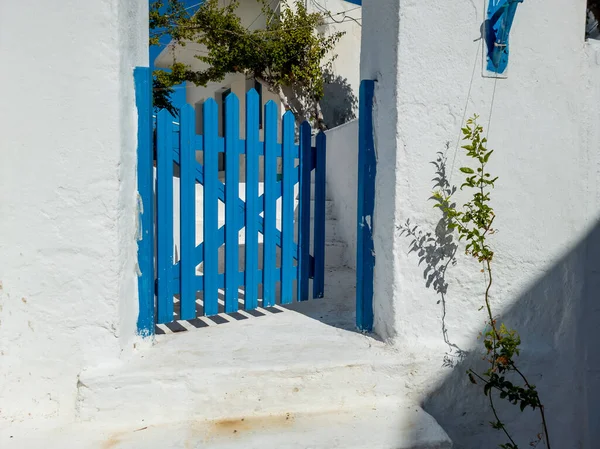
266,390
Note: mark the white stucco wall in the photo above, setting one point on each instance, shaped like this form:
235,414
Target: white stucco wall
547,201
68,284
342,188
344,17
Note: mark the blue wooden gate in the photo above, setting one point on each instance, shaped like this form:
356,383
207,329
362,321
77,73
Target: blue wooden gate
277,258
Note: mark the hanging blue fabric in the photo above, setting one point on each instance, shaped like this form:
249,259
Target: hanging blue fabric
500,17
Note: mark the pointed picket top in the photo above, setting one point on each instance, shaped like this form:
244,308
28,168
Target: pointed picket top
232,100
163,114
210,106
187,109
289,115
305,127
252,94
321,137
289,119
271,106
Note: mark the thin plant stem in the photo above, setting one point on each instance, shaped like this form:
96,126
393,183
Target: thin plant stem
474,223
499,423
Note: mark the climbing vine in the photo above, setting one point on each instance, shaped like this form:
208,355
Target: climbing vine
474,224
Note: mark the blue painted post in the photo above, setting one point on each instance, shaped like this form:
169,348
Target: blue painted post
232,195
367,165
252,150
164,225
270,196
187,163
287,213
211,208
319,223
145,155
304,211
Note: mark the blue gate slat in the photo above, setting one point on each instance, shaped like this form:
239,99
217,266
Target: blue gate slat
367,170
287,213
145,158
210,255
304,212
187,136
251,280
164,224
232,197
270,212
319,221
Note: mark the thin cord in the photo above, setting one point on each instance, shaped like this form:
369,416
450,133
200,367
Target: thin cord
261,13
491,108
193,6
328,13
464,112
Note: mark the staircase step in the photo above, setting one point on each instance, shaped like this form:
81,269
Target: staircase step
335,254
386,426
283,380
251,369
394,426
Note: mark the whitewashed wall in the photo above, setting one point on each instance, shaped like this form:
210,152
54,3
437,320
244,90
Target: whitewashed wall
342,93
544,128
342,187
68,284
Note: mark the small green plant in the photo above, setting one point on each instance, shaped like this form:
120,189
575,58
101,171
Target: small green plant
474,224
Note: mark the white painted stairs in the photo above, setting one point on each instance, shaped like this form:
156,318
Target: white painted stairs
287,380
301,378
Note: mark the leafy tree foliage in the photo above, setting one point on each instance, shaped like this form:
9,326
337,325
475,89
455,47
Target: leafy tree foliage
289,55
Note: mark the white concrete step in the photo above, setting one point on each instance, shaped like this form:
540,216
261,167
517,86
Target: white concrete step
217,373
386,426
295,379
335,254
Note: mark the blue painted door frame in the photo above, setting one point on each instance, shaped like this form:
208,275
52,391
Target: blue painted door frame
145,178
367,168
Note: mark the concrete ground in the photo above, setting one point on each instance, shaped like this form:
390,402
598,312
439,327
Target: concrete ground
299,377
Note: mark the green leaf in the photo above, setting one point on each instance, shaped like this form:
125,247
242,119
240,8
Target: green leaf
523,405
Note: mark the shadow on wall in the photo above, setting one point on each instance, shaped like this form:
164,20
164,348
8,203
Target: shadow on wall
556,317
339,102
436,251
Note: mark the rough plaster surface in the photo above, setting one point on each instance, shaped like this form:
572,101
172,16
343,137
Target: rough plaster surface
68,283
544,130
